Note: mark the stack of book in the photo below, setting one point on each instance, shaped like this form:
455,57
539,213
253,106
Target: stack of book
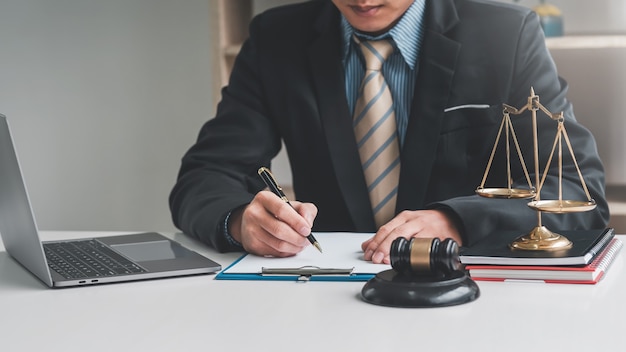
585,262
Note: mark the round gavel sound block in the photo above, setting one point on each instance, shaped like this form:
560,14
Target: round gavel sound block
426,272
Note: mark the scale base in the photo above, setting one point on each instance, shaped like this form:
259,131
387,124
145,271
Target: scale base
541,239
392,289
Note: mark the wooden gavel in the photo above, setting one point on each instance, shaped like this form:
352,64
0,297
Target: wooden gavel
425,256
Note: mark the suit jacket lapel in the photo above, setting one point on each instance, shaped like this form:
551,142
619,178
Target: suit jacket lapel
325,55
438,57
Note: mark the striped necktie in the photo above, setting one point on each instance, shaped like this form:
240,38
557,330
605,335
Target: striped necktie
376,134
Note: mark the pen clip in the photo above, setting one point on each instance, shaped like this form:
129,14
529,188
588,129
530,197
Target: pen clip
270,182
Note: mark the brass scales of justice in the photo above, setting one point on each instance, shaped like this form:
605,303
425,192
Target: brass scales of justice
539,238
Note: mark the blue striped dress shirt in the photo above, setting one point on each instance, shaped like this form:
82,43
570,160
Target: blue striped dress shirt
400,69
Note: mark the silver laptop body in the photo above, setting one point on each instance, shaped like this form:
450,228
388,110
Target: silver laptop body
134,256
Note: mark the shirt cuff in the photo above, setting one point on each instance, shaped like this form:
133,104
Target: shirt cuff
229,238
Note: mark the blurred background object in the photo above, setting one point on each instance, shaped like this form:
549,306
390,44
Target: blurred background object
551,18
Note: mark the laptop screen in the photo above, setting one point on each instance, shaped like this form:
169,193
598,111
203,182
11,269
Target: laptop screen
17,223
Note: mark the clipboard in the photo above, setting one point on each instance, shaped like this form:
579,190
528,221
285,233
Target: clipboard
342,260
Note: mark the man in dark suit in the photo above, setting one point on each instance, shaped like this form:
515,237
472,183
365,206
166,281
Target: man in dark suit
454,64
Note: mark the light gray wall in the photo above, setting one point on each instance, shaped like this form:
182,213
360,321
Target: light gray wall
103,98
597,82
588,16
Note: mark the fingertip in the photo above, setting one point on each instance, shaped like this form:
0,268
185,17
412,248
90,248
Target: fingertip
365,245
309,219
304,231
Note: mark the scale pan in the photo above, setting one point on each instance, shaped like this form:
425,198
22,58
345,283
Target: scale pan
510,193
562,206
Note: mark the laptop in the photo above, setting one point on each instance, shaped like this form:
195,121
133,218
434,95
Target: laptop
88,261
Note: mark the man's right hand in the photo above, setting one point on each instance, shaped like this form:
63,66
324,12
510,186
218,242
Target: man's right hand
269,226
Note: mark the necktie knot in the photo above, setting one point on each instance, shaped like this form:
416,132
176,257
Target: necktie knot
375,52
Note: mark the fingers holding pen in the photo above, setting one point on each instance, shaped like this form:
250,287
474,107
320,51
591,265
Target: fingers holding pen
299,216
308,211
270,226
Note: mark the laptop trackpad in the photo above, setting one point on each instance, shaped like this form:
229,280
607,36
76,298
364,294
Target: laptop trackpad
148,251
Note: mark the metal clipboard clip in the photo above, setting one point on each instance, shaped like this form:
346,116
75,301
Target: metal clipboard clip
305,272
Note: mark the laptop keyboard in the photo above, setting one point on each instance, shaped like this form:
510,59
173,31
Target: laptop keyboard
87,259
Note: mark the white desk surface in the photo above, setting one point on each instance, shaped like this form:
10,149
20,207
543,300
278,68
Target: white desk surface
202,314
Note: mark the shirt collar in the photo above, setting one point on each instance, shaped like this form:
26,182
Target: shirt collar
403,33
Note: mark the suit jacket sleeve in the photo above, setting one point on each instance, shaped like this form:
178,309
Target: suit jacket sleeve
219,172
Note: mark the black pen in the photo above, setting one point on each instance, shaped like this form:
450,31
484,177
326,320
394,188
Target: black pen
271,183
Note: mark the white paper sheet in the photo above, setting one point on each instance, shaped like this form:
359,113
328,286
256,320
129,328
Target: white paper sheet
341,250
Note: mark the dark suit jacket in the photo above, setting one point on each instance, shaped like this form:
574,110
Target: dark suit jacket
288,84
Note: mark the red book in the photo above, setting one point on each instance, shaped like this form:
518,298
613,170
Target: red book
576,274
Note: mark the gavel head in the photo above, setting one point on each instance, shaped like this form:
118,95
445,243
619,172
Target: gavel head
425,256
